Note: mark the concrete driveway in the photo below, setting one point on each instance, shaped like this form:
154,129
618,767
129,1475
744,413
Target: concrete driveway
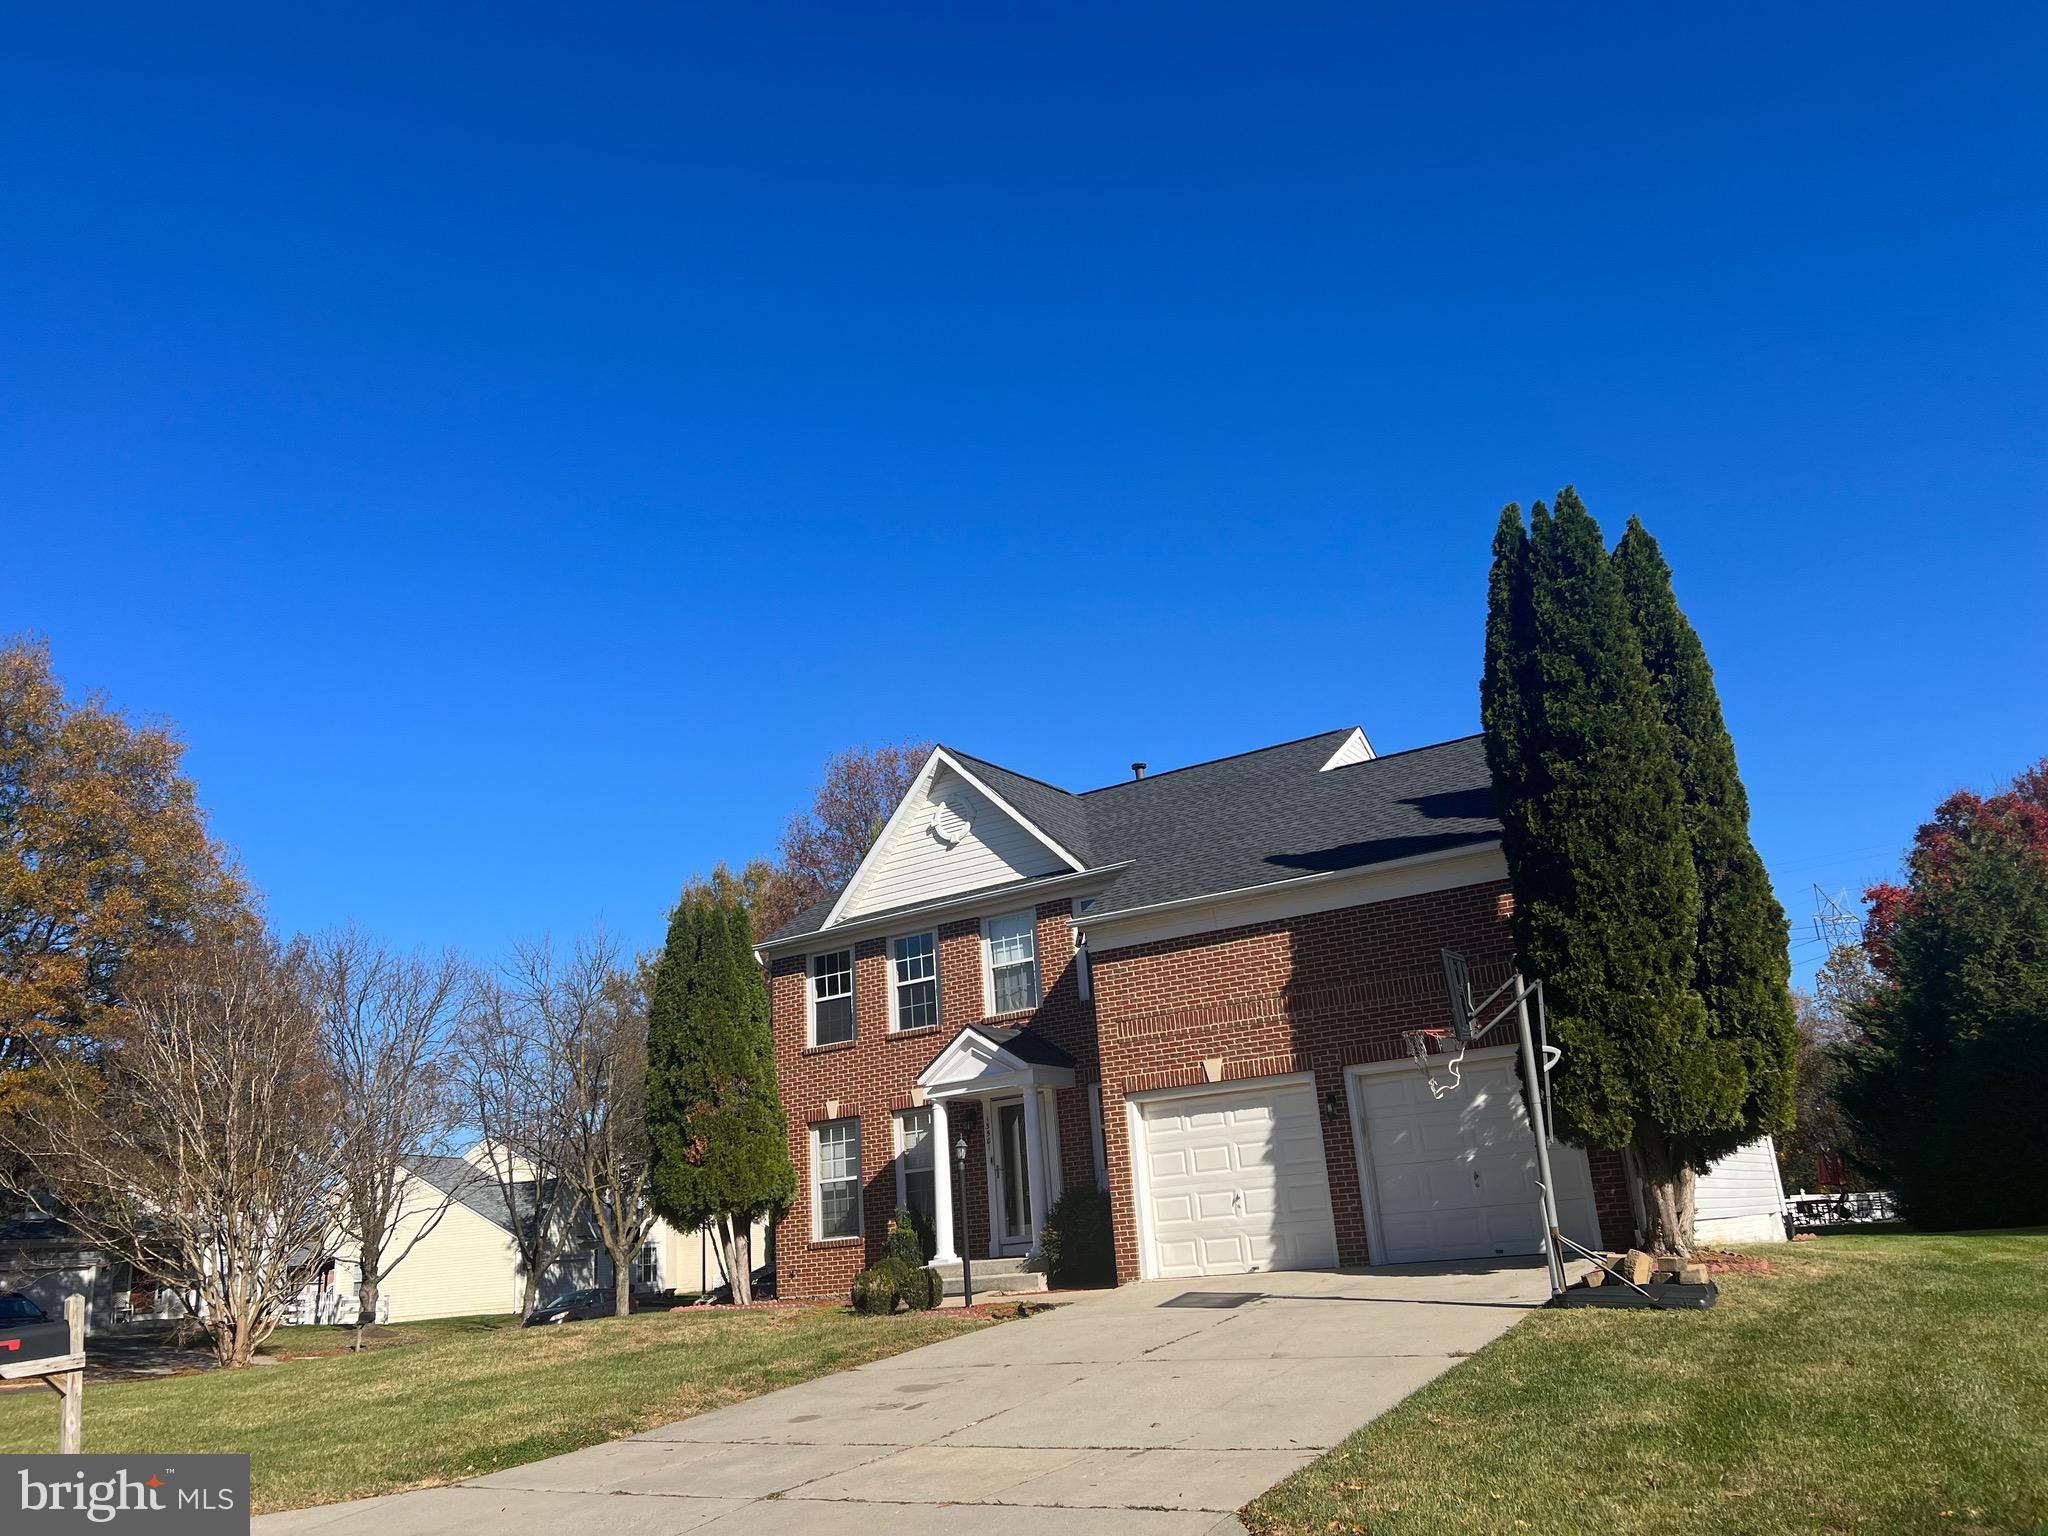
1155,1408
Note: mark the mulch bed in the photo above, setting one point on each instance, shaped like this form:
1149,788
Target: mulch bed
1720,1261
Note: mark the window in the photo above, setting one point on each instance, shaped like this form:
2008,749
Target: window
832,997
836,1163
1012,963
647,1268
914,978
915,1168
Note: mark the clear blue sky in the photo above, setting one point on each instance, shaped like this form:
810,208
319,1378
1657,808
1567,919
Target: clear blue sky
517,443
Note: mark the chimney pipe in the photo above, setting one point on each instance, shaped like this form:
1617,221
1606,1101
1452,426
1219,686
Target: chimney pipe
1137,770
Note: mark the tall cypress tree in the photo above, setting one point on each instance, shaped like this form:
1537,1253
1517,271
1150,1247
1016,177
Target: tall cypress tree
1606,900
1742,968
714,1115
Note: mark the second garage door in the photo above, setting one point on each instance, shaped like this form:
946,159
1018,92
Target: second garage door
1235,1182
1455,1177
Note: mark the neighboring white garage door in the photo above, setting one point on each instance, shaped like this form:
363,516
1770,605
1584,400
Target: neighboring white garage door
1455,1177
1235,1182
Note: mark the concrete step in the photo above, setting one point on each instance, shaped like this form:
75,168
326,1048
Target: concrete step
994,1277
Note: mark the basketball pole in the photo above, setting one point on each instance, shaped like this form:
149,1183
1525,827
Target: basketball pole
1553,1247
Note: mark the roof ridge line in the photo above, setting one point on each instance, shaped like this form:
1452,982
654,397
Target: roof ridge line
1427,746
1210,762
1031,778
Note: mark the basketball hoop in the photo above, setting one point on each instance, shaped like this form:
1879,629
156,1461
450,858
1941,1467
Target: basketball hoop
1419,1042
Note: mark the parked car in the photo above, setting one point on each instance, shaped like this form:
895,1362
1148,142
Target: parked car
28,1333
764,1289
576,1307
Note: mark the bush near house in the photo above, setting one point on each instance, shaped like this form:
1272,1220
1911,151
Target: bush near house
878,1288
1076,1244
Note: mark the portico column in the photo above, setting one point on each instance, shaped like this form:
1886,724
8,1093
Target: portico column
1034,1162
942,1186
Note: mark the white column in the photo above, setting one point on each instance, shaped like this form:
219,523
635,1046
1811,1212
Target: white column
942,1186
1034,1162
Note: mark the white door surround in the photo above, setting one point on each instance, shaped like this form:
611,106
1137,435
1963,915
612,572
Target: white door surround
997,1069
1230,1178
1455,1177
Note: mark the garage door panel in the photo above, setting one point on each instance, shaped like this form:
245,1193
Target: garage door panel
1455,1177
1236,1182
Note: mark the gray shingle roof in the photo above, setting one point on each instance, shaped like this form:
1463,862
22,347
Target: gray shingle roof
1254,819
1025,1044
473,1187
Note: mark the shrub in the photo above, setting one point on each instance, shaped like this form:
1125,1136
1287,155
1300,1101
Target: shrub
923,1289
906,1241
1075,1243
878,1288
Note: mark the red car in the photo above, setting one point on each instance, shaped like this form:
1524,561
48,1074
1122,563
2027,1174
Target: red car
27,1332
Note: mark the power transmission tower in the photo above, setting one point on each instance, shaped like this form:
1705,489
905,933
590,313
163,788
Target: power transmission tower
1834,924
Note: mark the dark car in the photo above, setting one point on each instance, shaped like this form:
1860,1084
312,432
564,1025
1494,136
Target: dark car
28,1333
575,1307
764,1289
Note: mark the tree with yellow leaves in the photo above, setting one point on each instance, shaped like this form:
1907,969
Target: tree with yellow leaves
104,856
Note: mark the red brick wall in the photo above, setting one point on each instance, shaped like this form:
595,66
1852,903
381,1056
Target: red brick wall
1316,994
871,1077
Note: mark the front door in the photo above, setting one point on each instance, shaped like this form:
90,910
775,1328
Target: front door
1013,1189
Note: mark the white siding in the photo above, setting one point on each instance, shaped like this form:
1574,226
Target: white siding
1740,1198
465,1266
980,846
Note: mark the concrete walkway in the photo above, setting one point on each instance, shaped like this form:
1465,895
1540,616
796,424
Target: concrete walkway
1157,1408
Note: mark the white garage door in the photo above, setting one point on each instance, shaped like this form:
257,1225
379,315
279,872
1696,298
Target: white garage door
1235,1182
1455,1177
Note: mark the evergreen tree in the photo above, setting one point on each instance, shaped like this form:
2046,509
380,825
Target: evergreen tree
720,1144
1944,1087
1743,970
1606,900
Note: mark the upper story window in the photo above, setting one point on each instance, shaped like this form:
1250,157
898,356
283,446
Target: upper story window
1012,962
914,981
1084,978
832,997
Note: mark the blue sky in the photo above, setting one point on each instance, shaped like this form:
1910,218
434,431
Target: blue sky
517,445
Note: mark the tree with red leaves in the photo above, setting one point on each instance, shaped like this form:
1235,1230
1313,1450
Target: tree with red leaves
1944,1088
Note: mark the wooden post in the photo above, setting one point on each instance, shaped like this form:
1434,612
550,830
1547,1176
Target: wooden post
71,1438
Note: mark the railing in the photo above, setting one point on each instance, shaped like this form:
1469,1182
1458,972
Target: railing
1805,1210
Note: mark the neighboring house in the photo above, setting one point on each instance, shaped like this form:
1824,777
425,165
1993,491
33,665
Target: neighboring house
1189,989
458,1258
41,1257
1741,1199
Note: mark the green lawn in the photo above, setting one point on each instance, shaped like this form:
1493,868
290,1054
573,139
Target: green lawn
1874,1383
470,1395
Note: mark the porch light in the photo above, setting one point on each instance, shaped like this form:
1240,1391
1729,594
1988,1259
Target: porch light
960,1152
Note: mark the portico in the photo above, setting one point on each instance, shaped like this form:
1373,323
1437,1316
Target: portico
1009,1075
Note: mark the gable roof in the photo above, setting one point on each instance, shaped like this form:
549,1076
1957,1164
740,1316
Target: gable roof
474,1188
1256,818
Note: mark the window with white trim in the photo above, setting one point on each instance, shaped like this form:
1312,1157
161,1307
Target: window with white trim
647,1268
914,981
1012,962
915,1166
835,1173
832,997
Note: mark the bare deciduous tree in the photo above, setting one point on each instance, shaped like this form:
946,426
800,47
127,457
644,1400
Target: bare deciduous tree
593,1013
385,1019
199,1143
514,1087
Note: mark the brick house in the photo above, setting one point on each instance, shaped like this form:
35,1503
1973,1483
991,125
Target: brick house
1189,989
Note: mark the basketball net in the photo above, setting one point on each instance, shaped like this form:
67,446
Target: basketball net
1419,1042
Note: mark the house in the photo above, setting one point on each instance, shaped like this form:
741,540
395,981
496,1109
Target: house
1189,989
44,1259
457,1256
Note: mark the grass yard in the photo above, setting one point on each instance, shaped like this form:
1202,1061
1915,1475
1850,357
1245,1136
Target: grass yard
470,1395
1875,1383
